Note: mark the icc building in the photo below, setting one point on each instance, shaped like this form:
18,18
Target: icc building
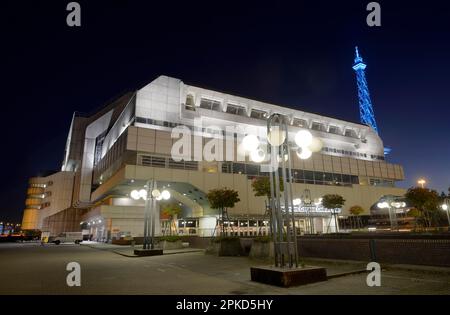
130,141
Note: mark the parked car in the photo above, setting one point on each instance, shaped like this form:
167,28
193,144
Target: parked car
68,237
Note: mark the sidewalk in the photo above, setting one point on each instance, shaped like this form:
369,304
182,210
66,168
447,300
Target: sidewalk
335,267
128,250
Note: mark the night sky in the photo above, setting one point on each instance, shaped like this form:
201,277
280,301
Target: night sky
297,54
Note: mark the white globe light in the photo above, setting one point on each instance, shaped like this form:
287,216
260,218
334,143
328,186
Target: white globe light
316,145
250,143
297,202
165,195
143,194
258,156
445,207
303,138
135,195
156,193
276,137
304,153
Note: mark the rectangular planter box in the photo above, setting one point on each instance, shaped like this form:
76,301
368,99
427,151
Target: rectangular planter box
262,250
288,277
148,252
170,245
230,247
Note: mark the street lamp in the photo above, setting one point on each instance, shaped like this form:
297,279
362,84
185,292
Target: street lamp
446,207
392,205
150,195
279,152
422,182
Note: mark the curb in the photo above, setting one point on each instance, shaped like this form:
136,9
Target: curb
164,254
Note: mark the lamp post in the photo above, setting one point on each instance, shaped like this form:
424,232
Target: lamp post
279,152
151,194
446,207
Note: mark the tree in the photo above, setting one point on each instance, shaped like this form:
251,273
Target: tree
416,214
357,211
171,210
333,202
222,199
424,200
261,187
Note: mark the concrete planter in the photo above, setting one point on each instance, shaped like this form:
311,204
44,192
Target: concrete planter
262,250
288,277
225,247
166,245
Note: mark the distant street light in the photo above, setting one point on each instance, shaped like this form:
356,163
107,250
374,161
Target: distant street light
422,182
150,195
446,207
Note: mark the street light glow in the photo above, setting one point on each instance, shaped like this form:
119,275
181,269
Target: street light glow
135,195
156,194
316,145
165,195
303,138
422,182
258,155
250,143
143,194
304,153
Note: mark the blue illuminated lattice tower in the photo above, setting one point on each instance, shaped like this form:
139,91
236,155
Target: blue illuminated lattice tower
365,104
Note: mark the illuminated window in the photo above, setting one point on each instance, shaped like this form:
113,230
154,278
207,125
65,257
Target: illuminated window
236,110
190,103
259,114
210,105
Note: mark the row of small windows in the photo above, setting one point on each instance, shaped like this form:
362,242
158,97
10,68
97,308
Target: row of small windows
162,162
353,153
50,183
263,115
207,130
299,176
381,182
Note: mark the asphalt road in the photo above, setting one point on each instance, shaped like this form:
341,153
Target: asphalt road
34,269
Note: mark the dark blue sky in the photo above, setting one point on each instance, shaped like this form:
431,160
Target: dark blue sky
296,53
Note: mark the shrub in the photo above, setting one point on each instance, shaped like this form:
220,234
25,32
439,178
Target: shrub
170,238
225,239
262,239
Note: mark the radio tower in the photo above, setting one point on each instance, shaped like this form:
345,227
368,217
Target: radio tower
365,104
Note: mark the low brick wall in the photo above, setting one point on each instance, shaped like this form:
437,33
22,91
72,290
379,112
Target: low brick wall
415,251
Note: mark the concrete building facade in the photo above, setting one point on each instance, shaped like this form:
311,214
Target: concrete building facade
116,150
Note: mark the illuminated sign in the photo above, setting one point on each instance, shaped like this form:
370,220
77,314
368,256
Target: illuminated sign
314,210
